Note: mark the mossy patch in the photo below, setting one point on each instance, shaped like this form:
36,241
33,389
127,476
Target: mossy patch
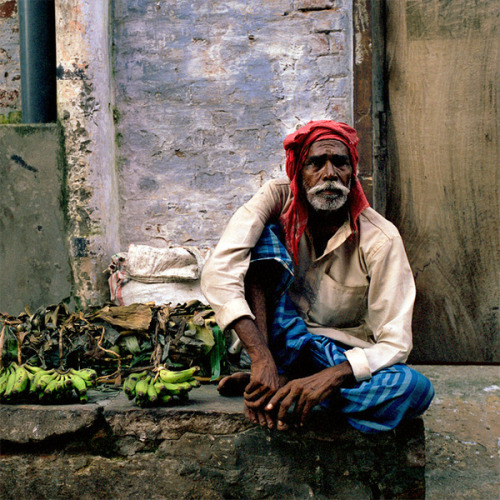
11,118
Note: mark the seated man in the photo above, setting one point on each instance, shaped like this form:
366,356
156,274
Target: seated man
318,288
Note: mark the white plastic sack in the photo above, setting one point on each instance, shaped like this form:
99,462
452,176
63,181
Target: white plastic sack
163,265
161,275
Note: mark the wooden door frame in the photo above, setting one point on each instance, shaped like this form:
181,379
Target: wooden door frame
370,98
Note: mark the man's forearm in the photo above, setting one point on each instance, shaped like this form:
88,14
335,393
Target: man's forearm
253,339
342,374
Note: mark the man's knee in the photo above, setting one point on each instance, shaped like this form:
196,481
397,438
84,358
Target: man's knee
264,274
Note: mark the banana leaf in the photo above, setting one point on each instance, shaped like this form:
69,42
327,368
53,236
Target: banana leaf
217,354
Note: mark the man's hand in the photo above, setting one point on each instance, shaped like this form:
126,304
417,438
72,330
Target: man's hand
307,392
264,380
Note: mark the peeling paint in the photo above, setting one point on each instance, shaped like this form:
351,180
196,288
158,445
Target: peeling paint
85,107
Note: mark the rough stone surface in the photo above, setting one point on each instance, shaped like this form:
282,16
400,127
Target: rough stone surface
34,259
202,449
206,93
10,66
462,428
27,424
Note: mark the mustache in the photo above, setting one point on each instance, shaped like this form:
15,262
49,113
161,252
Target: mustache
329,186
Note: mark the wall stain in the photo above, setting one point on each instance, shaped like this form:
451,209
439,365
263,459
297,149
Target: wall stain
77,73
23,164
8,9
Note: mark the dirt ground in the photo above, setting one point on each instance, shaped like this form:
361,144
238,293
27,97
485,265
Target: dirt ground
463,433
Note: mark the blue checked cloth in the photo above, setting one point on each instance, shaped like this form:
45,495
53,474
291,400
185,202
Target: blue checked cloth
373,405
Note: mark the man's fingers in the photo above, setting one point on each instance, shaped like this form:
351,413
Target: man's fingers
285,405
251,415
282,426
262,418
308,406
270,420
299,407
258,403
278,396
253,395
259,417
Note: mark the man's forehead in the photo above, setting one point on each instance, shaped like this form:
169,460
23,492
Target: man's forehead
328,146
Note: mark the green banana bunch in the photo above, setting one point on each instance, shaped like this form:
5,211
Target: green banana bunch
34,384
66,387
15,382
160,388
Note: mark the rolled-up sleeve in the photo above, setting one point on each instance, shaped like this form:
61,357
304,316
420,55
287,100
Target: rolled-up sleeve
222,279
390,307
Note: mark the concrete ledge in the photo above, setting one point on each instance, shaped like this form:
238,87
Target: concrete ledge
202,449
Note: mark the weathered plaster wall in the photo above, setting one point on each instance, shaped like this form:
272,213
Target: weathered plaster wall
10,68
206,92
34,260
85,108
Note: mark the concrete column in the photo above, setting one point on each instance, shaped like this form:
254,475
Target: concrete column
85,109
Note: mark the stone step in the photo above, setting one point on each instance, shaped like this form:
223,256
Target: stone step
203,448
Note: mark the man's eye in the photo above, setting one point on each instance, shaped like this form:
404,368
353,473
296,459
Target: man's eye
341,163
313,165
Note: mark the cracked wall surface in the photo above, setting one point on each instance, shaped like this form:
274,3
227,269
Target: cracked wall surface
206,93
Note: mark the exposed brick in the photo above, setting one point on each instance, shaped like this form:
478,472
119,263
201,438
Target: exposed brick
314,4
319,45
326,22
337,42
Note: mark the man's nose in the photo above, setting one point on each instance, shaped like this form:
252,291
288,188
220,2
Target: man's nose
329,171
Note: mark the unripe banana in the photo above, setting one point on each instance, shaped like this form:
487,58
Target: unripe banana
152,392
21,381
131,382
4,380
141,388
4,374
78,384
33,369
194,383
50,388
173,389
174,377
43,378
184,386
165,399
10,383
160,388
89,375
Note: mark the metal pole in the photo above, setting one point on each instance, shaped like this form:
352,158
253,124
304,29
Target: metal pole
38,60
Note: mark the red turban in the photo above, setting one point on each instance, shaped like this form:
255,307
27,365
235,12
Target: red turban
297,146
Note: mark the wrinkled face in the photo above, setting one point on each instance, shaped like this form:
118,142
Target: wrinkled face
326,175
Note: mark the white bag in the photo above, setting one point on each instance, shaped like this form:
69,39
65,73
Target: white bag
161,275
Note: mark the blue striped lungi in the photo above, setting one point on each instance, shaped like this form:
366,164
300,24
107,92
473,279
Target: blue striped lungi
373,405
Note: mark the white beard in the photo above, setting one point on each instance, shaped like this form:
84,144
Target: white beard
327,202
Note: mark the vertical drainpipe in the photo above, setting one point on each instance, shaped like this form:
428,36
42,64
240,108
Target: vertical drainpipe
37,28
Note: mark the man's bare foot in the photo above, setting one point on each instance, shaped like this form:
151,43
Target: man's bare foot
234,385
